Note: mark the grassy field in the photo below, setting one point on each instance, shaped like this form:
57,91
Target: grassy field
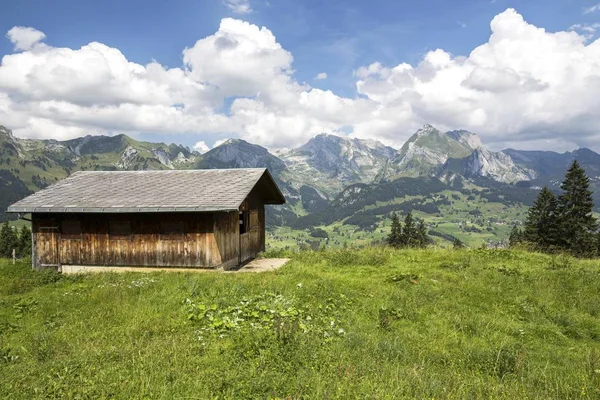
374,323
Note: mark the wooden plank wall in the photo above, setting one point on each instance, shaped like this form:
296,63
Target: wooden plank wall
253,241
209,240
47,243
226,228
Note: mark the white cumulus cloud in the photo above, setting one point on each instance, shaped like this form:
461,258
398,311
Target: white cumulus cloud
241,59
321,76
524,85
587,30
24,38
201,147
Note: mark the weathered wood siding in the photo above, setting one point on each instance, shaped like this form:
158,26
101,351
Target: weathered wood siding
201,239
253,241
227,232
208,240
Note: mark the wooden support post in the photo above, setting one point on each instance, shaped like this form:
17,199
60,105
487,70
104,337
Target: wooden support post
14,256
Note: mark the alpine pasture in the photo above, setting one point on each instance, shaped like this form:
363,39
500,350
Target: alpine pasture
348,323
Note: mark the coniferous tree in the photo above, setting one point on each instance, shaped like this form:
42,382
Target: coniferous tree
516,236
458,244
577,225
422,238
542,224
8,240
24,242
409,232
395,237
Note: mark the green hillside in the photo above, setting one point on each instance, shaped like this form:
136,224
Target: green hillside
375,323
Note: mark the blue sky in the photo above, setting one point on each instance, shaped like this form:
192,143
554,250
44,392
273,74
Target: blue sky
334,37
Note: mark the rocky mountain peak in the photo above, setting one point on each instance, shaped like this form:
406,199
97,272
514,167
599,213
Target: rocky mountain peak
426,150
237,153
322,139
336,148
496,165
425,131
231,141
584,155
330,162
468,138
6,133
427,128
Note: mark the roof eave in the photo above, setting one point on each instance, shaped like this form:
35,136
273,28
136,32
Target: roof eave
114,210
281,196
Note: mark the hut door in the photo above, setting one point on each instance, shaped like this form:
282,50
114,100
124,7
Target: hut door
47,245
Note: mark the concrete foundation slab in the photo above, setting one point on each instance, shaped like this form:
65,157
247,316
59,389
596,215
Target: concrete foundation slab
257,265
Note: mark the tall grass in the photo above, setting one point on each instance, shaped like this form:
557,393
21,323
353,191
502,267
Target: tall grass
369,323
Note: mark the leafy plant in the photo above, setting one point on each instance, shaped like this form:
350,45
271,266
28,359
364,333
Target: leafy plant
411,278
270,312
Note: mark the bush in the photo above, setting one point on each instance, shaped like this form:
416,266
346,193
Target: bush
319,233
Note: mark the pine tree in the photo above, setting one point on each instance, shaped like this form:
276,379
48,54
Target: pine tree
409,232
24,242
395,236
541,226
516,236
458,244
422,238
8,240
576,223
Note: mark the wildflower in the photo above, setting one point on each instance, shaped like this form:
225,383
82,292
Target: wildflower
299,285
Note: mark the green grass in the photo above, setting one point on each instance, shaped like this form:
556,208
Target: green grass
372,323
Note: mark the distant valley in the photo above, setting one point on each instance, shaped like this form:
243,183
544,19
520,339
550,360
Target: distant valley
347,188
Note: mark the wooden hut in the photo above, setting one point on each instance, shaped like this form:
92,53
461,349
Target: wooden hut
190,218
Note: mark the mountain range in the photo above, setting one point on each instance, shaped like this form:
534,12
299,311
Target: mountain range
322,172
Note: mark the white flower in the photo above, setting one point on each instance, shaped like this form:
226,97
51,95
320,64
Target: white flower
299,285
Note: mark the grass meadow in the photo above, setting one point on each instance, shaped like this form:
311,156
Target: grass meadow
372,323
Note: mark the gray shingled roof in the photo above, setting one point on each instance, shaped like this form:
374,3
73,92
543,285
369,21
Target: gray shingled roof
151,191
